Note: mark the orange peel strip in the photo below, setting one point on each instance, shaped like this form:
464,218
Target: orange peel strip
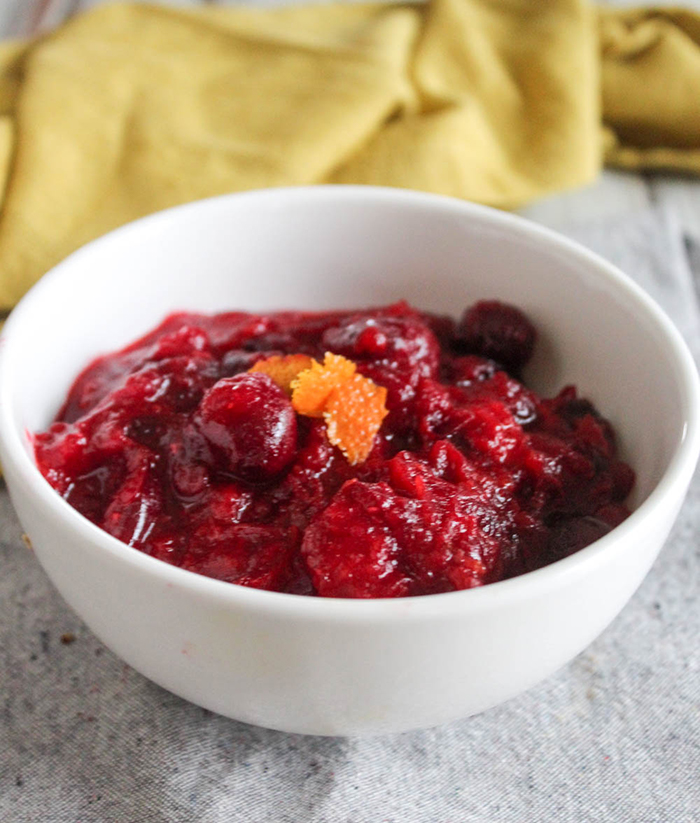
283,369
354,412
312,387
352,406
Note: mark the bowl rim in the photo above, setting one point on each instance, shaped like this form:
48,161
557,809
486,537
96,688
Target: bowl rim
671,486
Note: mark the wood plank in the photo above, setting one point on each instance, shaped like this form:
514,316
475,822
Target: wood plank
15,18
612,195
681,196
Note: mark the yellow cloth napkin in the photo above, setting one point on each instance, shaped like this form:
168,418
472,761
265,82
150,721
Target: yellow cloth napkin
130,108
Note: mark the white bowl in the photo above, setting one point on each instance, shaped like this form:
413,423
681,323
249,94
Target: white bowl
325,666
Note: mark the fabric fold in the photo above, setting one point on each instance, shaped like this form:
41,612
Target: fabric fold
130,108
651,88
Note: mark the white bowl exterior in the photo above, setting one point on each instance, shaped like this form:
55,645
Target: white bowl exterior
321,674
349,667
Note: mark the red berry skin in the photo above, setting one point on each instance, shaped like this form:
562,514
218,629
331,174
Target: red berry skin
255,556
250,423
498,331
474,479
402,344
350,552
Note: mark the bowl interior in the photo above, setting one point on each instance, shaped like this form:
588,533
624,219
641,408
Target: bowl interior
334,248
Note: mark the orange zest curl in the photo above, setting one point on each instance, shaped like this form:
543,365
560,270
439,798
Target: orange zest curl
352,406
283,369
354,413
312,388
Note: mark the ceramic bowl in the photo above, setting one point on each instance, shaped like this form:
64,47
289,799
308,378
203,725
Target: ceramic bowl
344,667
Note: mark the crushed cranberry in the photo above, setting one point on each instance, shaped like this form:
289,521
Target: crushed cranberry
176,448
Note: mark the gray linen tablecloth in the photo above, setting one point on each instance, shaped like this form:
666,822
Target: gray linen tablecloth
615,736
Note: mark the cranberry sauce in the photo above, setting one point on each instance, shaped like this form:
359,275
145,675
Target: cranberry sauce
174,447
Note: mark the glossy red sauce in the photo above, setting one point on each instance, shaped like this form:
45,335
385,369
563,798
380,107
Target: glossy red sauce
173,448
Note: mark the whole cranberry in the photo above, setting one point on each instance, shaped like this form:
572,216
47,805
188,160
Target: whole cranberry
250,422
238,360
405,344
498,331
